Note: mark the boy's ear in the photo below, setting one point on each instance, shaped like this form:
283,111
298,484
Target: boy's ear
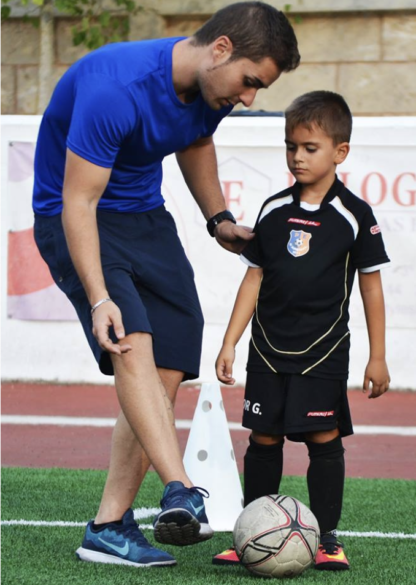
342,151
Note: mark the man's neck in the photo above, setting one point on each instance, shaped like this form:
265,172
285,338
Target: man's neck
185,60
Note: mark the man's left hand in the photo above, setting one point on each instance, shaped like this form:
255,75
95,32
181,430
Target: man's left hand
233,238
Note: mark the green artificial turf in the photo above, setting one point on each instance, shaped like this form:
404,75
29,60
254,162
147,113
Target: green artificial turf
33,555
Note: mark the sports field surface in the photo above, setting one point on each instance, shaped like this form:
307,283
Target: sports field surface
39,554
55,448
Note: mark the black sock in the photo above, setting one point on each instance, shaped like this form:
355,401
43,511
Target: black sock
326,476
99,527
263,466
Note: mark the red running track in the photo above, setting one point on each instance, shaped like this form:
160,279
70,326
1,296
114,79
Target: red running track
384,456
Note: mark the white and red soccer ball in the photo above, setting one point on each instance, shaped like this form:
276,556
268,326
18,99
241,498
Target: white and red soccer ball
276,536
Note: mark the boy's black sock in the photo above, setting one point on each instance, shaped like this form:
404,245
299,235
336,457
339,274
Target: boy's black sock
263,466
326,476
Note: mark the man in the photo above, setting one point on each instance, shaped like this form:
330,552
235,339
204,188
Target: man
98,170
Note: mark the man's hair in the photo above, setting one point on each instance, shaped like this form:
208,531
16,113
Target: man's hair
256,30
326,109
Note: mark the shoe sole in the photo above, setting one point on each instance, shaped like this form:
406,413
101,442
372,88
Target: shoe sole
92,556
332,567
180,528
225,562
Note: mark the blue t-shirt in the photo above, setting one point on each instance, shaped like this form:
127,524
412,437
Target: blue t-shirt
117,108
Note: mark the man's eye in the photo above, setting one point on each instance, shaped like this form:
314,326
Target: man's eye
248,82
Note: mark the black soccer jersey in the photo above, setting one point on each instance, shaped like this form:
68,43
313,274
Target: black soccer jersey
309,256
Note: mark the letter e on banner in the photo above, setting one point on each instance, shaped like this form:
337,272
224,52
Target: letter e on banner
232,194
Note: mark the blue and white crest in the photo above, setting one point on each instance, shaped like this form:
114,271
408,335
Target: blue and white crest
298,244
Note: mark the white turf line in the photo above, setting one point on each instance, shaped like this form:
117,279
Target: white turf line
146,512
16,419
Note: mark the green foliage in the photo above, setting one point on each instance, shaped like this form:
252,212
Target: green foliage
296,18
96,26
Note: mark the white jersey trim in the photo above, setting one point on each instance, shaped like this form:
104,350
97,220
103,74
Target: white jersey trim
310,206
246,261
275,204
374,268
337,203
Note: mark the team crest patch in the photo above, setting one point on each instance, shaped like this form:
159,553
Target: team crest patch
298,244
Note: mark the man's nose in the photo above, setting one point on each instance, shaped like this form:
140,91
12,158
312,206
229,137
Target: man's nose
247,97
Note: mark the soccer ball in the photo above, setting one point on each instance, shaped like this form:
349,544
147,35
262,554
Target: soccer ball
276,536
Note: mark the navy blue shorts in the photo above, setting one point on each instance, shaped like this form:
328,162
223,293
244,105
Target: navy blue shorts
147,275
292,405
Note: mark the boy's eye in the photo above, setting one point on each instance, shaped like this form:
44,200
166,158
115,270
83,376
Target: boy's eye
309,149
290,147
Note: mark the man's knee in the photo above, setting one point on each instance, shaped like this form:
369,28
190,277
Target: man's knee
140,356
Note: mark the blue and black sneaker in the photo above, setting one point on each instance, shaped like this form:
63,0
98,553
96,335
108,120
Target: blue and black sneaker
121,543
183,519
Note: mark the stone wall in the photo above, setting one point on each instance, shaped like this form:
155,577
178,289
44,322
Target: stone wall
364,49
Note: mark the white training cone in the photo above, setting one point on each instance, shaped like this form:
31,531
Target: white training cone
210,462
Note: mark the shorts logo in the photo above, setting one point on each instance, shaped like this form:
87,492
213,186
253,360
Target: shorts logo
376,229
321,414
298,244
255,408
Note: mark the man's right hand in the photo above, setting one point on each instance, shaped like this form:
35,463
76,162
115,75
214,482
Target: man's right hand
233,238
105,316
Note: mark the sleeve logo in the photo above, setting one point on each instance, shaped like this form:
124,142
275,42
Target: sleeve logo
376,229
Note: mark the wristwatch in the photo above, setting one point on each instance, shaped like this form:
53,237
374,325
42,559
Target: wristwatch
216,219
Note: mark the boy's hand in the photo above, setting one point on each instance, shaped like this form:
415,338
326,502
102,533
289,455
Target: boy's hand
224,365
377,374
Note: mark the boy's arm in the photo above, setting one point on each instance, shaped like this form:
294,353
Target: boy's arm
376,371
243,310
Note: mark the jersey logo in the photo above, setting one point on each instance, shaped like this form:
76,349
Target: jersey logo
298,244
376,229
303,221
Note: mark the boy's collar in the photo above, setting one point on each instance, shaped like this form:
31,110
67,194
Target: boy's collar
334,190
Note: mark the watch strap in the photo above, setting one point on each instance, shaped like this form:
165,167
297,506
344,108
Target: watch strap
218,218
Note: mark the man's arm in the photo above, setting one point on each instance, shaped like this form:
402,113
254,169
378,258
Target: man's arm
84,184
243,310
198,164
376,371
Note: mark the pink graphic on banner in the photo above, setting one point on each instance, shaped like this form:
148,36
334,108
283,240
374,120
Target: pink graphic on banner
31,292
21,157
27,272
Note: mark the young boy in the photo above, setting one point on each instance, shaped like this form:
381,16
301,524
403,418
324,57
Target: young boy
310,240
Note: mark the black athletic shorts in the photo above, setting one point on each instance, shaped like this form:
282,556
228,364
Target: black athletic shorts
147,275
292,405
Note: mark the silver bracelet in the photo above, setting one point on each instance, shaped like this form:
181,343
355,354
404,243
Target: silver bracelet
100,303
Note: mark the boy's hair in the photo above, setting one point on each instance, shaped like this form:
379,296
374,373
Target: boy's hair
326,109
256,30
